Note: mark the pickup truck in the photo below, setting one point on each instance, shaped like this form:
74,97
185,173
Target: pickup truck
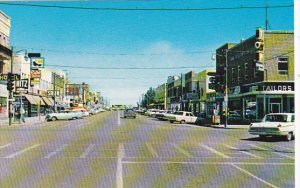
129,113
64,115
275,124
182,117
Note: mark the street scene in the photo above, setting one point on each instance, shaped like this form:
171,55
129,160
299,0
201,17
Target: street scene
147,94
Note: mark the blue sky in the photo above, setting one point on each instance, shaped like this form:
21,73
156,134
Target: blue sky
173,35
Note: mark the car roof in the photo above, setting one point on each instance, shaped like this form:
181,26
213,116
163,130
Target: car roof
281,114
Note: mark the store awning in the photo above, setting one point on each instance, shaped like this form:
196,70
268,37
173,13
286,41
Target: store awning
31,99
51,100
47,101
38,100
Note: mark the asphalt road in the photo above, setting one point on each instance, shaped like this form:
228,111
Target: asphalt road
106,150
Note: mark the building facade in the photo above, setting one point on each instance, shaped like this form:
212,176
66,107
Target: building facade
260,76
5,56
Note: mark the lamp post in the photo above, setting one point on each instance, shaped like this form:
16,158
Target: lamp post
11,80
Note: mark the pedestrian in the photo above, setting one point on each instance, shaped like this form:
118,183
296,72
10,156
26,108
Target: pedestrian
22,112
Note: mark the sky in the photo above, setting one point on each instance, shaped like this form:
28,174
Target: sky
125,40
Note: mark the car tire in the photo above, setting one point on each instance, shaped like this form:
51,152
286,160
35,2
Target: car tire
53,118
289,137
182,121
171,121
124,116
262,137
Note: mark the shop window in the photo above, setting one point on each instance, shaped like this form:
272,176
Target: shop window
246,71
282,65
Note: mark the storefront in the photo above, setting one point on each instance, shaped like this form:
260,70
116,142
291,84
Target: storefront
259,99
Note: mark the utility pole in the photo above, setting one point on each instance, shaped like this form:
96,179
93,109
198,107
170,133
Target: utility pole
181,93
54,92
10,80
226,90
83,94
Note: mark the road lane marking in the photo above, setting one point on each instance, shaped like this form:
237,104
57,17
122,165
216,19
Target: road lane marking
244,152
281,154
4,146
252,175
119,172
182,150
205,163
284,155
214,151
55,152
21,151
87,151
151,149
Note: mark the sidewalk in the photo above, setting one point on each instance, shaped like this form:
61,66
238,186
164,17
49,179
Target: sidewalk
231,126
28,121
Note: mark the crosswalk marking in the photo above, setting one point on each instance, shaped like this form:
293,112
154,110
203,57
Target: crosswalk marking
4,146
182,151
214,151
252,175
151,149
21,151
86,152
244,152
55,152
281,154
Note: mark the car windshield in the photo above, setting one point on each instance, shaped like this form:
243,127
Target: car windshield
178,113
276,118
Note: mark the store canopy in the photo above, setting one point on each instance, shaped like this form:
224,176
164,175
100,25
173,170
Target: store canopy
31,99
38,100
51,100
47,101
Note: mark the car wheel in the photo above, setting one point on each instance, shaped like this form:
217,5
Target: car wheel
54,118
262,136
124,116
289,137
182,121
171,121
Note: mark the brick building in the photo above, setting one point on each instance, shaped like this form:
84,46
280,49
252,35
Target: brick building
260,75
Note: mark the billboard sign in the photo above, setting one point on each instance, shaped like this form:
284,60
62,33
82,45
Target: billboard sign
37,62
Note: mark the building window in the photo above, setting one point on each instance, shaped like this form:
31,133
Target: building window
246,71
239,74
232,75
283,66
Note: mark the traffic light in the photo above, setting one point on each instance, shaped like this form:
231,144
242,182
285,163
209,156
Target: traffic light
10,83
212,82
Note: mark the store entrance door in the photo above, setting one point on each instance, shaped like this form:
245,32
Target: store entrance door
275,108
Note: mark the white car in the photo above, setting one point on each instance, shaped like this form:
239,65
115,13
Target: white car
150,112
84,112
63,115
275,124
182,117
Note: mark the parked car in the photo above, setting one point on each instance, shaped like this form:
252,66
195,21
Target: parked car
275,124
163,115
150,112
92,111
182,117
84,112
154,113
129,113
234,116
64,115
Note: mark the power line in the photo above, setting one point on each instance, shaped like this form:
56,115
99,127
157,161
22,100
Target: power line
144,9
128,68
113,54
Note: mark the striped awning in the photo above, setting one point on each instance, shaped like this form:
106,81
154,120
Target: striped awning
31,99
47,101
38,100
51,100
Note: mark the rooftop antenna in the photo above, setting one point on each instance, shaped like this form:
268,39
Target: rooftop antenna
267,22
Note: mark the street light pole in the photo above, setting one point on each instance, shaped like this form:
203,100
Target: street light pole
226,90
